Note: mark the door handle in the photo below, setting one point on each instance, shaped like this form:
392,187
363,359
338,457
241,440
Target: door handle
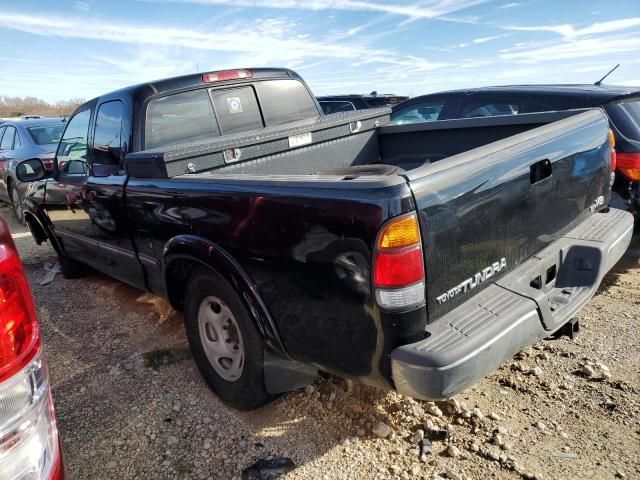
540,170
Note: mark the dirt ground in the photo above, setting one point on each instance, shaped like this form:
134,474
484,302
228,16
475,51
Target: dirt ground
131,404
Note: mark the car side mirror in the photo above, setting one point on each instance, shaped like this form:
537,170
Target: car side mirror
31,170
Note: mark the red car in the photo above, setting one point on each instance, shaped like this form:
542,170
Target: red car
29,440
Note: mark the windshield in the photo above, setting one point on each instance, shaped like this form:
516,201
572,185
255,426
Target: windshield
46,134
625,115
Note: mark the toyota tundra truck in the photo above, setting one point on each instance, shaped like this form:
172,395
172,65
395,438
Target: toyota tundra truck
410,257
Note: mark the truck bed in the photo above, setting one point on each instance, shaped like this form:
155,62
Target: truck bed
332,144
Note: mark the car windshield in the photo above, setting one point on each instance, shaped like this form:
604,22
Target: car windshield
625,115
46,134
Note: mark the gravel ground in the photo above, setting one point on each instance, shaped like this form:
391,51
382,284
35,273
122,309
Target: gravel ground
131,404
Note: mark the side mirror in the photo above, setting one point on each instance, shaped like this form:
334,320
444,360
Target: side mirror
31,170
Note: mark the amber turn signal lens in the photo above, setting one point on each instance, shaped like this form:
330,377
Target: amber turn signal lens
400,233
612,139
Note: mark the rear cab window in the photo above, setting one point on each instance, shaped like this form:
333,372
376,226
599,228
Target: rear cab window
236,109
211,112
625,115
180,118
285,101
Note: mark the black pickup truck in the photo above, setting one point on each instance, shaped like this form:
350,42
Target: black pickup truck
415,257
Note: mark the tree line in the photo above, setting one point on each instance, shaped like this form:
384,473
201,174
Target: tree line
17,106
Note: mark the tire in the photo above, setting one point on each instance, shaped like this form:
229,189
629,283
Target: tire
16,203
230,359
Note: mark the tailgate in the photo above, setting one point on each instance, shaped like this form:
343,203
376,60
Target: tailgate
485,211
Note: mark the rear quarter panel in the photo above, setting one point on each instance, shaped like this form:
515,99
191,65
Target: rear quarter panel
305,244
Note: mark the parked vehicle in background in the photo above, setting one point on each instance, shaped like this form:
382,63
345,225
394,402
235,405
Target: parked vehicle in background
621,104
414,257
29,440
345,103
21,140
21,117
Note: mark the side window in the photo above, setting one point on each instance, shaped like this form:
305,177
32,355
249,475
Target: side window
107,139
336,106
16,141
7,139
180,118
236,109
418,113
72,150
2,129
489,108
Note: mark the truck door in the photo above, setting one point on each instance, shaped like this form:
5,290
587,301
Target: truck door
104,195
64,199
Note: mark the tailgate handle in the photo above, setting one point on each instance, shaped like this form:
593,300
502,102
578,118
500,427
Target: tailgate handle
539,171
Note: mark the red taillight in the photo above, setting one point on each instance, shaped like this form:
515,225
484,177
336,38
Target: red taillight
211,77
398,265
398,269
19,338
629,165
614,159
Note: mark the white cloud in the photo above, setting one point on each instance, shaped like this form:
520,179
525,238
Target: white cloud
486,39
569,31
268,38
590,47
509,5
423,10
160,51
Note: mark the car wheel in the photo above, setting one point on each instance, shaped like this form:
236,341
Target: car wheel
226,345
16,203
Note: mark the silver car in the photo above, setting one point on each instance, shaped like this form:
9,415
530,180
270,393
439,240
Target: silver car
21,140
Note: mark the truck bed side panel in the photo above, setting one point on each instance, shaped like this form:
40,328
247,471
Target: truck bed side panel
305,244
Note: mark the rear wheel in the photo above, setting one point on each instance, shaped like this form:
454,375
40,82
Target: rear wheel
225,343
16,203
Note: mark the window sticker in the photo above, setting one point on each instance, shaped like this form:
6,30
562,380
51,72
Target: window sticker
235,105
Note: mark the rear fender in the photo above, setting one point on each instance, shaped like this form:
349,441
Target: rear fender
197,249
39,224
281,372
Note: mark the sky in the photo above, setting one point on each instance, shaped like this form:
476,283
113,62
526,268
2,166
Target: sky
61,49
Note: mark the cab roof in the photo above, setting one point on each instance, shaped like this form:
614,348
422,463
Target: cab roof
142,91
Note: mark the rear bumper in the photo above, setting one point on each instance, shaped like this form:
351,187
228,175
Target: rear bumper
517,310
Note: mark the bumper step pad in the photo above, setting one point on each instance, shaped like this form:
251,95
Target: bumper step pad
472,340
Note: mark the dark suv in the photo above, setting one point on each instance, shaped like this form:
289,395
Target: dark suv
346,103
621,104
